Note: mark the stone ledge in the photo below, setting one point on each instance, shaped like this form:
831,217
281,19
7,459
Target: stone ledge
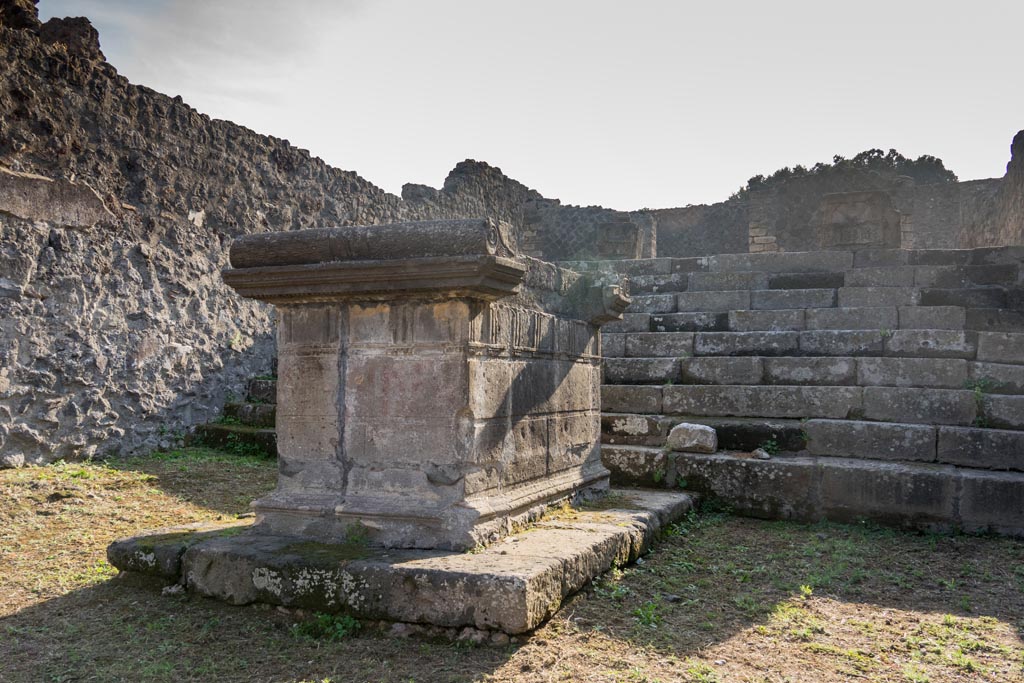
510,586
923,496
483,277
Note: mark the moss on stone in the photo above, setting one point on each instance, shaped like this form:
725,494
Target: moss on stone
327,552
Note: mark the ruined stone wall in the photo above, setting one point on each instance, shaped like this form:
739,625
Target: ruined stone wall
117,206
1008,227
702,230
856,211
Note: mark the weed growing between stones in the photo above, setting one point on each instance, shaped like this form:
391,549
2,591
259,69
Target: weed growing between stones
236,445
647,614
329,627
980,386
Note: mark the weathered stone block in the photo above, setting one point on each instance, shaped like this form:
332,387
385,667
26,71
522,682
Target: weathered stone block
692,438
689,265
893,276
762,401
635,466
1001,347
690,322
931,344
660,344
996,449
713,301
976,297
931,318
703,282
656,284
919,406
937,257
631,322
992,502
852,297
806,280
630,399
810,371
784,262
995,320
714,370
635,430
745,343
780,488
511,587
919,496
767,321
939,373
871,440
774,299
653,303
870,318
841,343
1003,411
574,442
613,345
997,378
641,370
877,258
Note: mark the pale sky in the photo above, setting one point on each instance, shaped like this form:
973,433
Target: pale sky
626,104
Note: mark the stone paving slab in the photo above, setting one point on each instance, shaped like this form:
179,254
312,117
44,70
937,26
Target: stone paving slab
512,585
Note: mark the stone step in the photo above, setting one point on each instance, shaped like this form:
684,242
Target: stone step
762,401
734,433
731,281
976,447
925,496
774,299
917,307
262,390
928,373
994,347
783,262
961,407
240,439
512,586
711,321
994,320
975,297
947,276
855,297
810,261
846,318
251,414
964,446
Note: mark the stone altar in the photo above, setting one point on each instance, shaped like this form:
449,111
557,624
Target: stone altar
435,386
437,391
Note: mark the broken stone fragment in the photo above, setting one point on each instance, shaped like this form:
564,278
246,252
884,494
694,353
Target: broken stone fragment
692,438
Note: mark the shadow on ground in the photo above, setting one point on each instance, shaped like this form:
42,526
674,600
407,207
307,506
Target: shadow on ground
722,599
210,478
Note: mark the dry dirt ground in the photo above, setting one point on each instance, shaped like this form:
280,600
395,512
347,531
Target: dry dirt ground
720,599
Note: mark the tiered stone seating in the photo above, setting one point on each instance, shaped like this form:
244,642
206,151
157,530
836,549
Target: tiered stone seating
836,361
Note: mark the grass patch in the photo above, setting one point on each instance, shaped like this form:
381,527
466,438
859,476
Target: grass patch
719,599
